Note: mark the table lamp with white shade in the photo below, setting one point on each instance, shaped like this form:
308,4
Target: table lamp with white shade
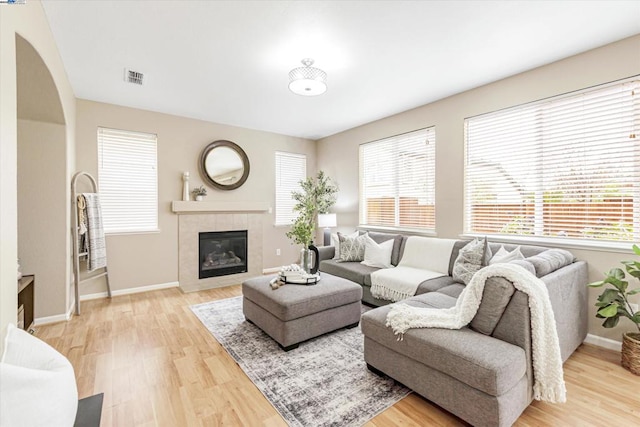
326,221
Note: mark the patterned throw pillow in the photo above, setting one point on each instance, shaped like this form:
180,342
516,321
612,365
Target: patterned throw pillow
352,248
335,242
471,258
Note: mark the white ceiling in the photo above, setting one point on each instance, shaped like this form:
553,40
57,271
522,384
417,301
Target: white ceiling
228,61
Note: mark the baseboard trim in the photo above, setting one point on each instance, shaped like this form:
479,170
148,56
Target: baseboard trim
65,317
130,291
603,342
39,321
271,270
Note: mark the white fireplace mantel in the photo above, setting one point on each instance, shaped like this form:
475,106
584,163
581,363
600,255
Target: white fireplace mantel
180,207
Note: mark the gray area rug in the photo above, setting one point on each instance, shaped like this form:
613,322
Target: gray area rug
324,382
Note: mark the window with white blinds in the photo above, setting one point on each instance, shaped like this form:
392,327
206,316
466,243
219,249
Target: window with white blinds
565,167
128,180
290,170
397,181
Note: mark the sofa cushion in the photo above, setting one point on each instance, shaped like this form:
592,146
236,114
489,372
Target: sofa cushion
524,264
472,257
353,271
351,248
483,362
453,290
504,256
527,250
427,253
377,254
434,285
495,298
335,242
397,243
432,300
550,260
459,244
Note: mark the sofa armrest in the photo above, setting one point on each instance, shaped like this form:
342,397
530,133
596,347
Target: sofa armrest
568,292
514,327
326,252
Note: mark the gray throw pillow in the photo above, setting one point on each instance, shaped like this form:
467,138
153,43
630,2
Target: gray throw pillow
550,260
352,248
471,258
524,264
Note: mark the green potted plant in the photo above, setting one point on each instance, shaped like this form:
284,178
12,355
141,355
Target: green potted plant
614,303
199,192
317,195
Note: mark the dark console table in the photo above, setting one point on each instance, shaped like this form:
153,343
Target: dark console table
25,302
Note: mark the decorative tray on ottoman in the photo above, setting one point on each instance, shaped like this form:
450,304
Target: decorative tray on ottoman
293,274
307,279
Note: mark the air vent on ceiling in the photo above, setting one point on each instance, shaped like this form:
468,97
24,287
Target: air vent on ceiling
134,77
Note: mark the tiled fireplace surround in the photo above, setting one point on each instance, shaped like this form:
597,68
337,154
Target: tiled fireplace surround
196,217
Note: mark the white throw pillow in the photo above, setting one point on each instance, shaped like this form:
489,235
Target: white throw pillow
377,255
504,256
335,242
38,386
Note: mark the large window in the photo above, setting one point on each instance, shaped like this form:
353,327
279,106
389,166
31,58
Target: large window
397,181
128,180
290,170
565,167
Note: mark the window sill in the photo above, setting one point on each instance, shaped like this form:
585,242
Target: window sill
411,231
588,245
128,233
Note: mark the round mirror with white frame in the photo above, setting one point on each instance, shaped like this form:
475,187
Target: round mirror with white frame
224,165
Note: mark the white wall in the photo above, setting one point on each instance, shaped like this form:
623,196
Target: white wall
338,154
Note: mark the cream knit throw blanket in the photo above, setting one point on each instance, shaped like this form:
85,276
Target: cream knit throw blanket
424,258
548,382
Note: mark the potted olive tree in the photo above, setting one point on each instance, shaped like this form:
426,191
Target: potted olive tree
317,195
614,303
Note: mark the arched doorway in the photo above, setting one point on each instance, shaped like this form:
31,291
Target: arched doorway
41,181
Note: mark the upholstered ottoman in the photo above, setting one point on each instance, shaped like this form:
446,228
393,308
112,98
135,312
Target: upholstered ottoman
295,313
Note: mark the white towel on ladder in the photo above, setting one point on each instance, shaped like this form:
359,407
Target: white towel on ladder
97,247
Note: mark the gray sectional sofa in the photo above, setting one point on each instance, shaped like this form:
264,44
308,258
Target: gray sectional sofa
483,372
361,274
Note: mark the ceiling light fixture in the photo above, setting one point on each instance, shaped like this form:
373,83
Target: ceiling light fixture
307,80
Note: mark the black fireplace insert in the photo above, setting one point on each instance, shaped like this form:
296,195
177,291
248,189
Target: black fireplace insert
222,253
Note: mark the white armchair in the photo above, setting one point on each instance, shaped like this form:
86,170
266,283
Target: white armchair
37,384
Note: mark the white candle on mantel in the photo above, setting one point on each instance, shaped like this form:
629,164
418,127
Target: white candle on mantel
185,187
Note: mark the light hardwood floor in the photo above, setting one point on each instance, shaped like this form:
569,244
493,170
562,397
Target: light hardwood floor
159,366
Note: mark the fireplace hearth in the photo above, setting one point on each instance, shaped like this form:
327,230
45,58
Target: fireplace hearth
222,253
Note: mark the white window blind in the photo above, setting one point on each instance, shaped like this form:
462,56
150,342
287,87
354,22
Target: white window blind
128,180
566,167
290,170
397,181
